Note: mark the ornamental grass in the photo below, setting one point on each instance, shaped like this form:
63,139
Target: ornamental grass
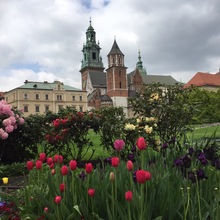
153,185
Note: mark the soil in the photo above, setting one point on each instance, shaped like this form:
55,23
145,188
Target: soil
15,181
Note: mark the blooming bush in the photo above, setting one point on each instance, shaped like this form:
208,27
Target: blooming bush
9,121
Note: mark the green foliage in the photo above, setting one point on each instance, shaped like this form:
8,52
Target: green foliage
169,105
15,169
208,105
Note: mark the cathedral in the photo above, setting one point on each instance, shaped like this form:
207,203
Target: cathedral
112,86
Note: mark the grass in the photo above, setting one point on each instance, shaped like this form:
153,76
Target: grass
205,132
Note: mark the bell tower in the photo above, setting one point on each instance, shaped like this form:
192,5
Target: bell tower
117,87
92,61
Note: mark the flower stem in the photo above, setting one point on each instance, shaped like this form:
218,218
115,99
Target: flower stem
142,201
197,192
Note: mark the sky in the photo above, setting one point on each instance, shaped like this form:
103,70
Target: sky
42,40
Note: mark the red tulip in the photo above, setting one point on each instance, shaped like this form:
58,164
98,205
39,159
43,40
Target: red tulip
46,209
53,171
141,144
88,168
73,165
51,166
49,160
38,164
130,165
148,175
91,192
64,170
119,144
42,157
30,165
62,187
57,199
128,196
58,159
115,161
142,176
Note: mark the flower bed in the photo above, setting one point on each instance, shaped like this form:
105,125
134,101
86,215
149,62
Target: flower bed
151,185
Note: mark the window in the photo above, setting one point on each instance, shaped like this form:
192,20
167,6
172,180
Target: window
119,84
74,98
37,108
47,108
25,96
94,55
59,97
25,108
120,73
80,98
37,96
80,108
46,96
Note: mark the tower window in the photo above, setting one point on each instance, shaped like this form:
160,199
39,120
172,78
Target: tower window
120,85
94,55
37,96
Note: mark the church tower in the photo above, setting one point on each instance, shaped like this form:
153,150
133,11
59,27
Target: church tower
117,88
92,61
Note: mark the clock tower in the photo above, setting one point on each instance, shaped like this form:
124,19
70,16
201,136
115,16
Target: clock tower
92,61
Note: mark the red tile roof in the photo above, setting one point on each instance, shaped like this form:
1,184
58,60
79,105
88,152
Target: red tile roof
204,79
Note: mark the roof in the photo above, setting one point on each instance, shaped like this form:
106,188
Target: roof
46,86
162,79
204,79
115,49
98,79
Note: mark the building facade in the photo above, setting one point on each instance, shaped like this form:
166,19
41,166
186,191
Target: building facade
41,97
114,86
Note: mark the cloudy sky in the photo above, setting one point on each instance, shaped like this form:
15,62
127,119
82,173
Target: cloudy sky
41,40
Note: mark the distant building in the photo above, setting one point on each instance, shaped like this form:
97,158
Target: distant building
206,81
113,86
2,95
40,97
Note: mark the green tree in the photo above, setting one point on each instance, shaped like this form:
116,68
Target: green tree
170,105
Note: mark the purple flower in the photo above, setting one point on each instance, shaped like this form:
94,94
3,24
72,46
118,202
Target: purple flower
190,151
131,157
165,145
134,176
186,161
133,149
178,162
191,176
201,174
209,153
202,159
82,175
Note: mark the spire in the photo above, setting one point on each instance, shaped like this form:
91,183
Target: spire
115,49
139,65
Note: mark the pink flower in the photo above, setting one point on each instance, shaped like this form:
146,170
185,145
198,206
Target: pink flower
57,199
46,209
64,170
38,164
30,165
58,159
142,176
51,166
148,175
53,171
130,165
73,165
42,157
56,122
115,161
49,160
119,144
141,144
62,187
88,168
91,192
128,196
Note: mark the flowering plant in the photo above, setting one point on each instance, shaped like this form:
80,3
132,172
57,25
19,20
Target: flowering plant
9,121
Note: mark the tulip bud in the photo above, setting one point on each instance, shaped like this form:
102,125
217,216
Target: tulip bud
112,177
